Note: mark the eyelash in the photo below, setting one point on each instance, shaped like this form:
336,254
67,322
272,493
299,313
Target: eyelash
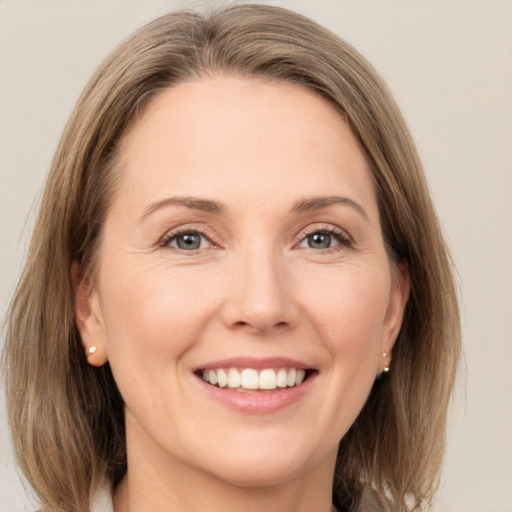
340,236
173,235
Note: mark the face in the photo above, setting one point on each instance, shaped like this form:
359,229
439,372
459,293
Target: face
243,295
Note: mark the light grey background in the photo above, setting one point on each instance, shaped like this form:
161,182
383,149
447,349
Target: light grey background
449,64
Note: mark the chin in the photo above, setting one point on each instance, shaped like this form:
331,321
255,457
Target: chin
259,474
263,465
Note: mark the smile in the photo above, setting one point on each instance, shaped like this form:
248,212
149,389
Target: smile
251,379
257,386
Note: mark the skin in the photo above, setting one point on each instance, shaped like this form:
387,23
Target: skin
255,287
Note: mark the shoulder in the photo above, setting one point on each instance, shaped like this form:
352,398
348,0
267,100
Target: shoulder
101,500
371,501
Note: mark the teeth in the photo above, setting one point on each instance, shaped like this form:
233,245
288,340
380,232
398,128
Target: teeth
282,378
212,377
299,377
233,378
268,379
222,378
291,377
250,378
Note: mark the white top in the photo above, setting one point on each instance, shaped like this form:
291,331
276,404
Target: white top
102,501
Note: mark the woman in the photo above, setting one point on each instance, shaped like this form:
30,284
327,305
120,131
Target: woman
237,286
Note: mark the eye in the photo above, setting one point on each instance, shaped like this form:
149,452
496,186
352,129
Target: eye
186,241
324,238
320,240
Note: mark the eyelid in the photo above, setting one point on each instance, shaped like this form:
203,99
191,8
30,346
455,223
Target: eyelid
344,239
203,230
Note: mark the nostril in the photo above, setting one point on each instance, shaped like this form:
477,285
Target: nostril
245,325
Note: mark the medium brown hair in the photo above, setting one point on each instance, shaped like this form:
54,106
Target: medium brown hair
67,417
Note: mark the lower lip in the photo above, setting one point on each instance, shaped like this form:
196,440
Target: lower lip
258,403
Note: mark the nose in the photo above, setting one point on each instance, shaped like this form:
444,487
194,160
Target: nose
260,296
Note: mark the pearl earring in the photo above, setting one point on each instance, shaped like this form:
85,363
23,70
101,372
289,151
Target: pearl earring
386,368
91,350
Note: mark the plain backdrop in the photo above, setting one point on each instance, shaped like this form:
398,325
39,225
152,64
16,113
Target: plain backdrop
449,64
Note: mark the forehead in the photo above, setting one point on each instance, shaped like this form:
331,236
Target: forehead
254,136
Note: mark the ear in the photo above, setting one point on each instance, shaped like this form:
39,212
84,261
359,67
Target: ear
399,294
88,317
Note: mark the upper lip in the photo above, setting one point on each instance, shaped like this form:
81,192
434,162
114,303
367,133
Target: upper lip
254,362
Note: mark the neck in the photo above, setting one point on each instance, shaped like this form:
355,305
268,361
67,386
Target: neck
131,497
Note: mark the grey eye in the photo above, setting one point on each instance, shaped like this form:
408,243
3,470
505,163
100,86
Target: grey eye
319,241
188,241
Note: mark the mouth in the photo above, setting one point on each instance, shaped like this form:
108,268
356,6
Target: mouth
255,380
256,386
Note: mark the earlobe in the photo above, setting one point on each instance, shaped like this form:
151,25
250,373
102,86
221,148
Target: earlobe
88,318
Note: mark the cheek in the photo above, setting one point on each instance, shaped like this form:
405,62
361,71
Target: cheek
348,307
152,318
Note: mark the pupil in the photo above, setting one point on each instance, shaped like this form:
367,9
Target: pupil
319,241
189,242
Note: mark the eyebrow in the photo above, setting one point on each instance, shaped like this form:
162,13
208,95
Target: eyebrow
193,203
317,203
207,205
